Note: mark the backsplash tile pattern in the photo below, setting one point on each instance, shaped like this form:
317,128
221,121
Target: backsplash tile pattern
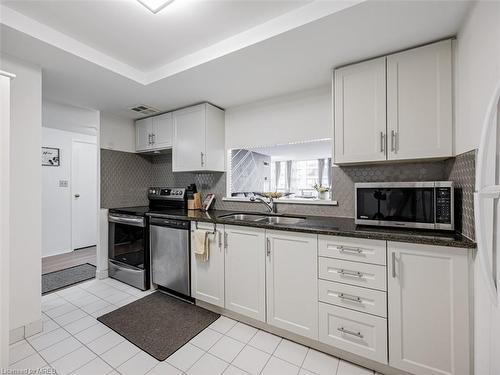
462,170
125,178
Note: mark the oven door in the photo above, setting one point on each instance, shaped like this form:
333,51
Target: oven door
127,250
396,206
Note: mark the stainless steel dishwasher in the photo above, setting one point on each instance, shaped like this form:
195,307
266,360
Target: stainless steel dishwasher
170,255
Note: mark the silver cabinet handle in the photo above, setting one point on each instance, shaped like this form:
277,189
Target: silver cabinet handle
352,333
393,141
382,142
225,241
350,273
220,240
150,139
349,297
393,256
268,247
347,249
153,139
202,159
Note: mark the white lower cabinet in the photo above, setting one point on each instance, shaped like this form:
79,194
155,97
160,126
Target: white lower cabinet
292,282
207,278
352,331
245,271
428,309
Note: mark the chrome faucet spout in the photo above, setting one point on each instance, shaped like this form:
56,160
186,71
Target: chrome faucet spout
271,206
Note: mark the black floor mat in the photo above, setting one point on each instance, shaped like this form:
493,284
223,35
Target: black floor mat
158,323
60,279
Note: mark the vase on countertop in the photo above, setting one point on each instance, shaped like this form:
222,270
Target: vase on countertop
323,195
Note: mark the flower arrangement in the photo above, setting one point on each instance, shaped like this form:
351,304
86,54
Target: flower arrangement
320,188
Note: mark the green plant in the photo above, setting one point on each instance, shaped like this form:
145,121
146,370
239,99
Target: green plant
320,188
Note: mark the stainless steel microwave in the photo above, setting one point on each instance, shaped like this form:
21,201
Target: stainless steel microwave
425,205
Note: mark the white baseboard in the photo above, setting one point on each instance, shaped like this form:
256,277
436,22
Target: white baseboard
101,274
30,329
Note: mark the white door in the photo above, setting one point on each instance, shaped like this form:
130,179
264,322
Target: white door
189,139
207,278
360,113
143,134
428,309
292,282
84,194
419,107
245,266
163,131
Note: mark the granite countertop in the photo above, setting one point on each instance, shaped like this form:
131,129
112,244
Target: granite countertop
336,226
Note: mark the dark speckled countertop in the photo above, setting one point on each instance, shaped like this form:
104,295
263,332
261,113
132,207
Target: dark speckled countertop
335,226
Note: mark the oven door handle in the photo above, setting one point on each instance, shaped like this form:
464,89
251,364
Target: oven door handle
137,222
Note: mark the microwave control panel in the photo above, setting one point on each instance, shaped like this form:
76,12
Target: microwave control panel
443,205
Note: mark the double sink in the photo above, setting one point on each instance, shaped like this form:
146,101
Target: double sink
265,219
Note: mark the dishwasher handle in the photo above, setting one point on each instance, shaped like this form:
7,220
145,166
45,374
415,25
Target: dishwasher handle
170,223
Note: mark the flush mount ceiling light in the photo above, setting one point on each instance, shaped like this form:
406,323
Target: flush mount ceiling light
155,5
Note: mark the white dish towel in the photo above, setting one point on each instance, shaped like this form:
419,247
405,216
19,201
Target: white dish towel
202,244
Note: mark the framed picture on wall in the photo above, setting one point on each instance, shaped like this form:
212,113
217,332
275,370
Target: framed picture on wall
50,156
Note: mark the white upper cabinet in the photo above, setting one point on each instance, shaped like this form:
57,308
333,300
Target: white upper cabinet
419,102
198,139
397,107
292,282
154,133
143,134
163,131
360,114
428,309
245,268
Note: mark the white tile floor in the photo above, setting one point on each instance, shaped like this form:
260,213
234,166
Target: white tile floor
74,342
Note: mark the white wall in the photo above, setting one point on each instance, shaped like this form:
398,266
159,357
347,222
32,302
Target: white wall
301,116
117,133
70,118
4,216
57,200
477,74
26,199
477,71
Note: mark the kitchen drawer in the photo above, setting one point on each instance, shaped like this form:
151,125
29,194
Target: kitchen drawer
353,297
354,273
352,331
355,249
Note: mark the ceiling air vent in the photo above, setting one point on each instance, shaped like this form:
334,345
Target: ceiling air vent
144,109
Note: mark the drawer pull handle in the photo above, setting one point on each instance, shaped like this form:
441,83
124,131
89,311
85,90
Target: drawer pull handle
350,273
352,333
346,249
349,297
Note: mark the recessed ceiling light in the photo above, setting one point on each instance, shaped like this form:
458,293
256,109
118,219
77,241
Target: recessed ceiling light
155,5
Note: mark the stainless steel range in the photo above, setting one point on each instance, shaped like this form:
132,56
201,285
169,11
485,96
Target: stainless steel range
143,244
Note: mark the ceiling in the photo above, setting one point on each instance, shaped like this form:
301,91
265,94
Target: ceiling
127,31
282,47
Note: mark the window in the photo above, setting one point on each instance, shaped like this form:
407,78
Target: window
291,170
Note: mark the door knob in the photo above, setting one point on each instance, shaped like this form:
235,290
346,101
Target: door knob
77,195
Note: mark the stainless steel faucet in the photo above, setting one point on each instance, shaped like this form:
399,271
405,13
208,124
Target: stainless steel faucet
271,206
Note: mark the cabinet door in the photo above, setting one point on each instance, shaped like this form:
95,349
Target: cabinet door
419,107
428,309
214,159
163,131
207,278
143,131
245,267
188,153
360,113
292,282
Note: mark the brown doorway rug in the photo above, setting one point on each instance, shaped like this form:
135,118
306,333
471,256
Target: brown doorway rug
158,323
